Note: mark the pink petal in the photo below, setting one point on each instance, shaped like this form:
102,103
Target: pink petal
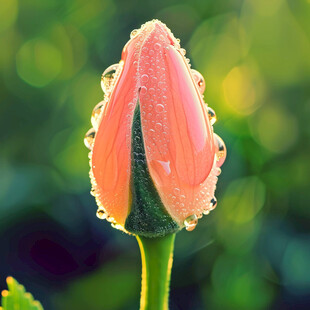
110,161
177,134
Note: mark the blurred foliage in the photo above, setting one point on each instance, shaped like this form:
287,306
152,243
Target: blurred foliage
16,298
253,251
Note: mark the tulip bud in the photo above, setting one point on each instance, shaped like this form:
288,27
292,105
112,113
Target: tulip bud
154,157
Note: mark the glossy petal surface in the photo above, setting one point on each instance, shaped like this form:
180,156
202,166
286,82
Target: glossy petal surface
110,160
177,134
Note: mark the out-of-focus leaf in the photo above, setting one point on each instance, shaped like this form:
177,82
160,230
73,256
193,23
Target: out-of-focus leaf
16,298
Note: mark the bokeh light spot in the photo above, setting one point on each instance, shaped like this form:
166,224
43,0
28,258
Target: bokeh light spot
275,128
243,199
296,266
242,90
8,13
38,62
239,281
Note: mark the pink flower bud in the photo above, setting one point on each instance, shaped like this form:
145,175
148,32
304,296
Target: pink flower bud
154,160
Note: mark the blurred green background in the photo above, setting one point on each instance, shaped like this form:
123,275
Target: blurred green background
253,251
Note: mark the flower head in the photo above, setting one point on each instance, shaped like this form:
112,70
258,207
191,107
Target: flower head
154,157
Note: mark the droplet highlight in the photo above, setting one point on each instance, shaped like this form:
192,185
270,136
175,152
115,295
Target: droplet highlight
220,150
89,138
200,81
191,222
107,77
134,33
101,214
213,204
96,114
211,115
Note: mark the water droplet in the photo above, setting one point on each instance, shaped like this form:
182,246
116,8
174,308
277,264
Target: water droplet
157,46
218,171
158,126
176,191
101,214
95,115
213,204
107,77
130,107
200,81
144,78
159,108
183,51
220,150
143,90
191,222
211,115
134,33
89,138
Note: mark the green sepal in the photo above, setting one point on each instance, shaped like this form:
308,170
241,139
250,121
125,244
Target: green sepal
148,216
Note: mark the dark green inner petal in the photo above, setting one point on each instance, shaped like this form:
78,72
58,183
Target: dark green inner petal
148,216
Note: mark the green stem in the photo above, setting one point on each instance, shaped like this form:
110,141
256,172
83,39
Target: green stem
157,257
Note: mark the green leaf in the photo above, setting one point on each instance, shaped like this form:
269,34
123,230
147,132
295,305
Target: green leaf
16,298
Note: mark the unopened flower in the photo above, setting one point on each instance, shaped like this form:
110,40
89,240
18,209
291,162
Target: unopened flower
154,157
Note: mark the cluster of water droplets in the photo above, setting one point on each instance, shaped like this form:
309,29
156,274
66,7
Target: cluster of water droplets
205,199
154,95
150,77
108,80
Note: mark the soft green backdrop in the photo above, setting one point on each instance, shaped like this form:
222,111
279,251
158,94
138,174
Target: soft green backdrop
253,251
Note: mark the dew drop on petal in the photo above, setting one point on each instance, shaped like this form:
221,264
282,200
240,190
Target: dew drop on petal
191,222
144,78
200,81
183,51
143,90
101,214
211,115
107,77
134,33
89,138
159,108
213,203
96,114
220,150
157,46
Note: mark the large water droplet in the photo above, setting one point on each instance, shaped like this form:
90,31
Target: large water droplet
101,214
211,115
220,150
200,81
96,114
89,138
213,204
191,222
107,77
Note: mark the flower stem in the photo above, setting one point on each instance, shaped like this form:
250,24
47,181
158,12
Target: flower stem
157,257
